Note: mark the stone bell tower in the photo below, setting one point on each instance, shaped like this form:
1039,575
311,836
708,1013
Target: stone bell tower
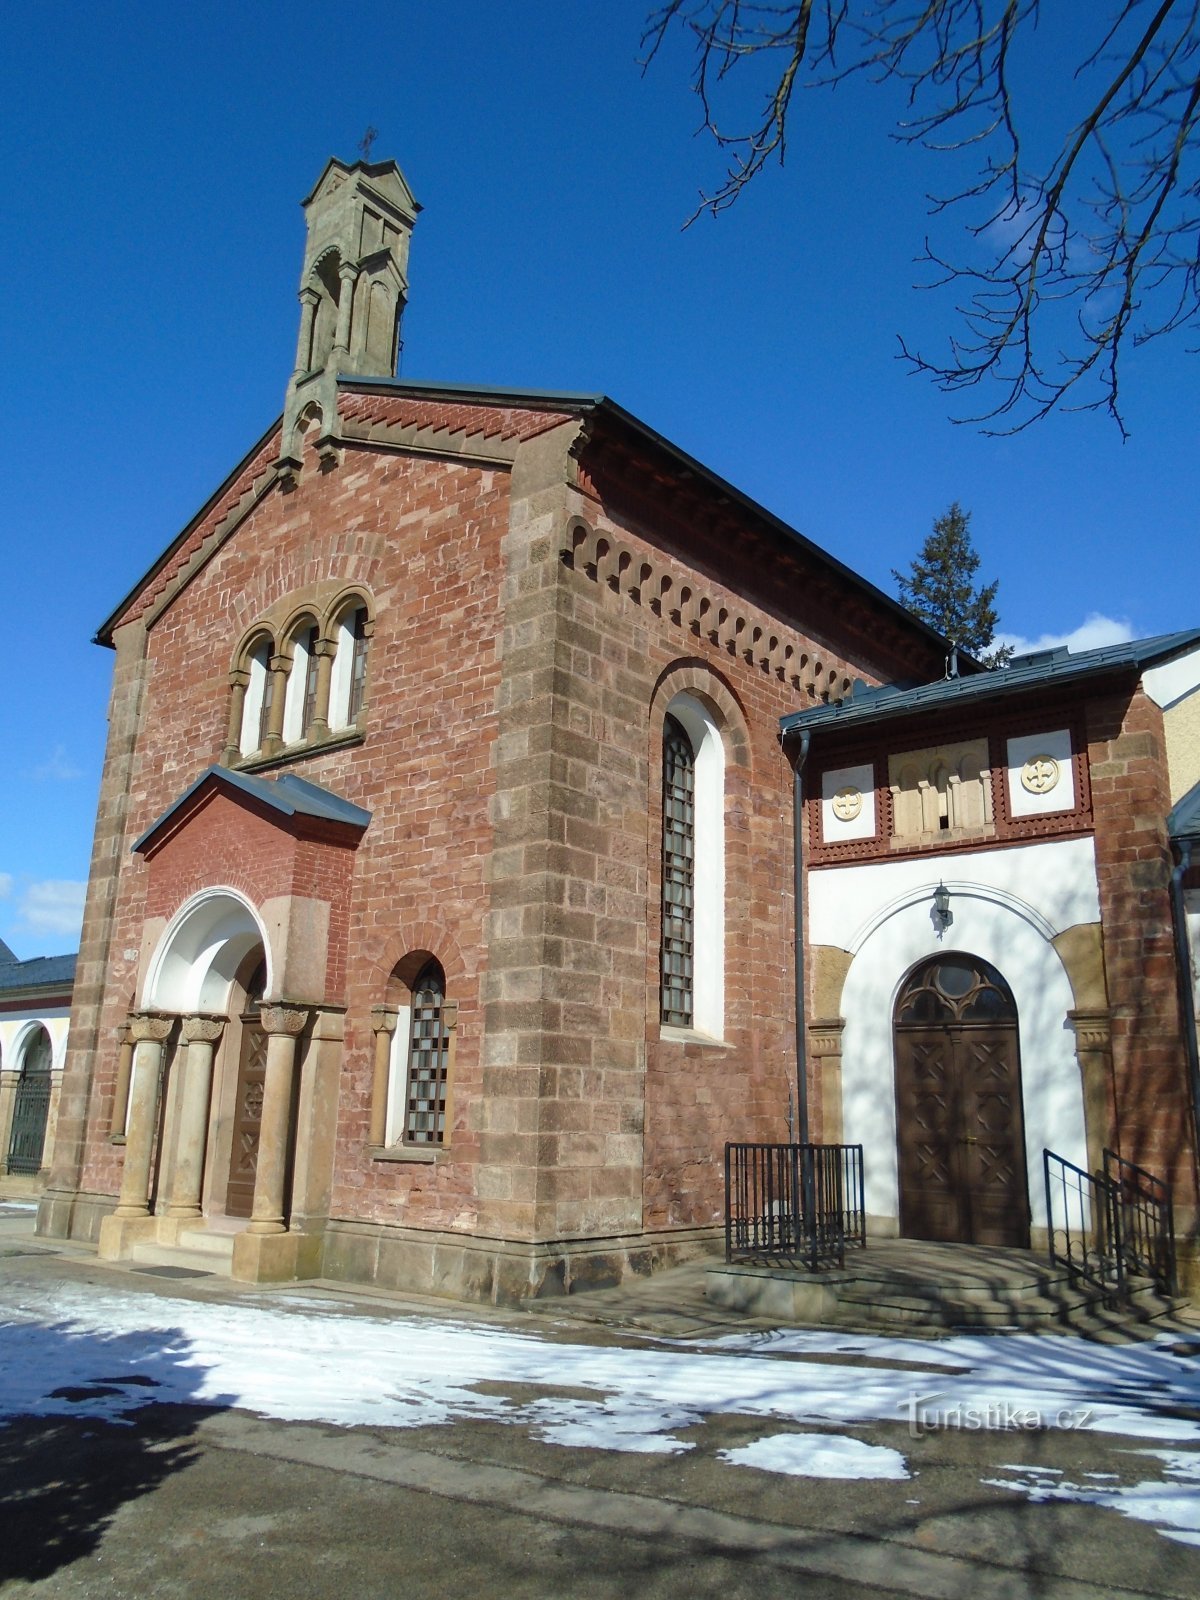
352,291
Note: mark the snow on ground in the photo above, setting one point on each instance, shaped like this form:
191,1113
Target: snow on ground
819,1455
83,1350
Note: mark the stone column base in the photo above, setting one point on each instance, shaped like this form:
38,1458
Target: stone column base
118,1235
275,1257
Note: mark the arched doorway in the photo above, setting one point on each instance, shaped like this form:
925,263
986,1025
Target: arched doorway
31,1106
960,1128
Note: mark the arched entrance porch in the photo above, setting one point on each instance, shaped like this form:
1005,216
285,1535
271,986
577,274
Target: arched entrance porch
212,1104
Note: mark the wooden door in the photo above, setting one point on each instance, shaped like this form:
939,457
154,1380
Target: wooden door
958,1106
247,1117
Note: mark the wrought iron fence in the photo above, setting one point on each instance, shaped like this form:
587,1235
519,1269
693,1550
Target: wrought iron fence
796,1203
1147,1221
29,1123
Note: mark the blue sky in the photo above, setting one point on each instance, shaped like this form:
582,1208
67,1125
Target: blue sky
153,163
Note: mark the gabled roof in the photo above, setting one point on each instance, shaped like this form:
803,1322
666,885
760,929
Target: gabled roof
1184,821
42,972
569,405
6,955
1035,672
288,795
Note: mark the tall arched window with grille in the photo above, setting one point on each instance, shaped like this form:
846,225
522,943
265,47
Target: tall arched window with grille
678,874
418,1114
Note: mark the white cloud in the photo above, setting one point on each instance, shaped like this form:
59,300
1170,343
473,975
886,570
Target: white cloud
1095,631
57,768
54,906
6,884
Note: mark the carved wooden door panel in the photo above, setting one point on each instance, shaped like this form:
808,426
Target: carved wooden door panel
247,1118
960,1130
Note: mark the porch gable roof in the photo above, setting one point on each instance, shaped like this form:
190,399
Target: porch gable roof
287,795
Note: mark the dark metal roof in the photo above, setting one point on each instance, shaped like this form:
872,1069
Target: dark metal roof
1184,821
43,972
6,954
1040,669
287,794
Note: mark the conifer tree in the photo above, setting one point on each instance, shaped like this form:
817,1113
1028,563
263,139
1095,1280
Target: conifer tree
940,588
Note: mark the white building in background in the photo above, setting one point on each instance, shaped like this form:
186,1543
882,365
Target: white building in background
35,1006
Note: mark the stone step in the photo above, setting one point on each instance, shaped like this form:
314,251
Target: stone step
205,1241
198,1250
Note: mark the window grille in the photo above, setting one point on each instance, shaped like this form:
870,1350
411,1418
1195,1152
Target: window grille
678,874
358,664
428,1060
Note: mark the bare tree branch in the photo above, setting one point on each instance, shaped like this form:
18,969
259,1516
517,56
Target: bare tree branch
1066,261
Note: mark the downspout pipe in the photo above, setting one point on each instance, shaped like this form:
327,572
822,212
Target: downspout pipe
795,747
1183,964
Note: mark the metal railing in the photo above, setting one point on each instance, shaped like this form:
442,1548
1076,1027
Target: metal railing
799,1204
1147,1221
1084,1225
1107,1227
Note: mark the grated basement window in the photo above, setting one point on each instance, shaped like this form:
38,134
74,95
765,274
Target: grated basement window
678,874
428,1060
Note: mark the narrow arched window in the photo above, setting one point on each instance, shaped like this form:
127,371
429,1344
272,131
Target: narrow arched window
256,707
678,874
348,691
423,1109
301,704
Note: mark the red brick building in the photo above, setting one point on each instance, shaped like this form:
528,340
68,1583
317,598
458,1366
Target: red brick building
441,915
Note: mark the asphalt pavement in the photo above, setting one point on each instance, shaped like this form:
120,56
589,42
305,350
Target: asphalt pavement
189,1501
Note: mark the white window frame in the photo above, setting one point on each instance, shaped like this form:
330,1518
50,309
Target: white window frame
708,892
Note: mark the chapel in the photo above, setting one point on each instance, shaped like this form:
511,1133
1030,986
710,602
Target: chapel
502,814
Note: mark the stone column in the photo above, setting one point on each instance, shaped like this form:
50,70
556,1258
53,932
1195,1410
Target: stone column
283,1025
348,273
201,1034
149,1032
309,299
239,680
277,667
383,1020
120,1105
1093,1049
324,650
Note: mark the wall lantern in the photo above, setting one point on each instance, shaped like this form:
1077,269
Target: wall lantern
942,914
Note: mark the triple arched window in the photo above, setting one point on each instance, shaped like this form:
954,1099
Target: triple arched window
300,683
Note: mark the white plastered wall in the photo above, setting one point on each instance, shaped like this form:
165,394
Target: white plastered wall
1007,905
200,950
18,1027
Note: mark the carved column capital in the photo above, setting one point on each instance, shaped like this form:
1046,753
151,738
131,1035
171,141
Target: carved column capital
825,1036
203,1029
1093,1029
149,1025
384,1019
279,1017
